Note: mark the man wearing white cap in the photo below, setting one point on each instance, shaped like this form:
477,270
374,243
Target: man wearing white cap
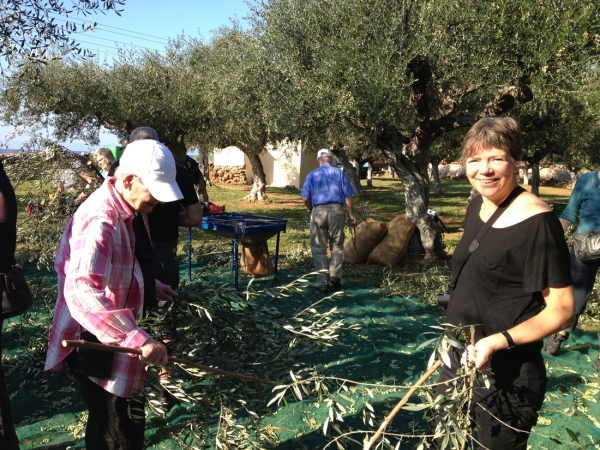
324,193
102,286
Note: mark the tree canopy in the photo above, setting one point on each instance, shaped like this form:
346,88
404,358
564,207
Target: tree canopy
239,94
140,88
370,79
29,32
403,73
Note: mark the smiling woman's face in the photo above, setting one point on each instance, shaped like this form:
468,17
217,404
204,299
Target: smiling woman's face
492,172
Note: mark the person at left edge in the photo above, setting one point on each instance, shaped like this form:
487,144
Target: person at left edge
104,159
8,243
101,291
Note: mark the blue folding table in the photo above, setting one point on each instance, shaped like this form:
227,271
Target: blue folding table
245,229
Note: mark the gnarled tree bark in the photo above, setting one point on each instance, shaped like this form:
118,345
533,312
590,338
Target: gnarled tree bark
259,183
435,173
205,168
416,185
349,170
534,161
535,178
409,157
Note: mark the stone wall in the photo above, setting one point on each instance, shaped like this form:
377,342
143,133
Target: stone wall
554,173
229,175
452,171
558,172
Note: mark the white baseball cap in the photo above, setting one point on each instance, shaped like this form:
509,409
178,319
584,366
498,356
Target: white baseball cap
154,164
324,152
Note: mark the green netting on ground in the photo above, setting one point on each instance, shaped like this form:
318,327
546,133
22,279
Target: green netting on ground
49,413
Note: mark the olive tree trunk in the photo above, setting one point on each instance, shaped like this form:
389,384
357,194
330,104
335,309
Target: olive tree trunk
413,174
409,156
205,168
201,190
350,171
535,178
435,172
259,183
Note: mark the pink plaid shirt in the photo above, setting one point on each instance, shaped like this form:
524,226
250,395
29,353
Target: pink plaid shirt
100,288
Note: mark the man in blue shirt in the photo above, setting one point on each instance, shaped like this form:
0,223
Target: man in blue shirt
325,192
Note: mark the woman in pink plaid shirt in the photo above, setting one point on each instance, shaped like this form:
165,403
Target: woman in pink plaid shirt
101,290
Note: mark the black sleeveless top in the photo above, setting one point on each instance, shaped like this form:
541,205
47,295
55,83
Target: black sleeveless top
8,230
500,285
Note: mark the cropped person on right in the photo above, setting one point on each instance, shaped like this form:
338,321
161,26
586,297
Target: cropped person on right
585,203
510,282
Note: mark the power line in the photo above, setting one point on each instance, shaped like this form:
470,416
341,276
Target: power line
122,34
109,26
118,42
100,52
99,45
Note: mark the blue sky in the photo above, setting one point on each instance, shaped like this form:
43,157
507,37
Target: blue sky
149,24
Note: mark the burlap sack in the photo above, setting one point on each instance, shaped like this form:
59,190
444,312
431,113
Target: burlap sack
392,248
368,235
255,260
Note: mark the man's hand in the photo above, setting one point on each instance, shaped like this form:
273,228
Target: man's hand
165,293
153,352
350,207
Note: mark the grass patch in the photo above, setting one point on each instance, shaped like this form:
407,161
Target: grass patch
382,201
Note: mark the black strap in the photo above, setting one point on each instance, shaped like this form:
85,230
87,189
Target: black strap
145,256
486,226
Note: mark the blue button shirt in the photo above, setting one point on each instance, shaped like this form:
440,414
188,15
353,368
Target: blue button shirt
327,185
585,203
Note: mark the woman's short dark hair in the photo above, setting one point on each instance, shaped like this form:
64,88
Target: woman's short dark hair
106,152
503,133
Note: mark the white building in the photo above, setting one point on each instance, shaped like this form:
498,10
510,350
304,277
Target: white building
284,163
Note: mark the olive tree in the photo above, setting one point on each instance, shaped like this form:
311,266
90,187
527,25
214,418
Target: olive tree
28,32
238,92
403,73
558,129
140,88
446,148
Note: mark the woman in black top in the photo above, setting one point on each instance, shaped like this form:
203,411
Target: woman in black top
515,287
8,243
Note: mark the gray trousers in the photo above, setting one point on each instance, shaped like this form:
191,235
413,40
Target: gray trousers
327,229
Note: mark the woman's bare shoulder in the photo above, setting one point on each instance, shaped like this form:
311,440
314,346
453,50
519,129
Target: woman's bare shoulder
530,205
524,206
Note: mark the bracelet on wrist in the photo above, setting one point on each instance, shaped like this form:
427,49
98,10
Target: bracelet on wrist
509,339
